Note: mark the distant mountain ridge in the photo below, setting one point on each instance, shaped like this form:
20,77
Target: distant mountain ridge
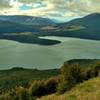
29,20
13,27
89,21
87,27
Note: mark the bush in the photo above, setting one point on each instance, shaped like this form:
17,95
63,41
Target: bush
71,75
41,88
6,96
51,85
37,89
62,87
92,71
22,94
96,69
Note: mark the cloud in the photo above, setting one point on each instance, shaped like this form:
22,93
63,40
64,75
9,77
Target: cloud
28,1
66,9
4,4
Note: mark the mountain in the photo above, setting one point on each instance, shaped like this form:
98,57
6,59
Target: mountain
90,21
87,27
22,33
13,27
29,20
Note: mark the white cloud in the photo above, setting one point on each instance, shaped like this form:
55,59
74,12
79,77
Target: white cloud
66,9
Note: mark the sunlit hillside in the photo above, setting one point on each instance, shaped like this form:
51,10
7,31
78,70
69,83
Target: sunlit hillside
89,90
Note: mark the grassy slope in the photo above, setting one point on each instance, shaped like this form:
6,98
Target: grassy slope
89,90
19,76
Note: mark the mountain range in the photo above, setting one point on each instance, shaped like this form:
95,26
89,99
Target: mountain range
14,26
28,20
87,27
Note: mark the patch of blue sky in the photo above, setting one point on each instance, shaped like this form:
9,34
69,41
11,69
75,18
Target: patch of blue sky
39,5
25,7
35,5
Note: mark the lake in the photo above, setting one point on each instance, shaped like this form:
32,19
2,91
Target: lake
15,54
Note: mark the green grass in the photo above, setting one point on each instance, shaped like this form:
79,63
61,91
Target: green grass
88,90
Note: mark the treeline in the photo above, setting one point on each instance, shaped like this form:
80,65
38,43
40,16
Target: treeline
71,75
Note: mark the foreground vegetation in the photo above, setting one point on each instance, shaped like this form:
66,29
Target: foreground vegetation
22,77
73,72
88,90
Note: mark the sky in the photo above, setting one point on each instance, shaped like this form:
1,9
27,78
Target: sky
63,10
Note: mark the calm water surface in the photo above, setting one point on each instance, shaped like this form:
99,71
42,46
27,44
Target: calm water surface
14,54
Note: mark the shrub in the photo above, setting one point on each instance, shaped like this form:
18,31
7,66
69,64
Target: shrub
6,96
22,94
62,87
51,84
91,71
96,69
71,75
37,89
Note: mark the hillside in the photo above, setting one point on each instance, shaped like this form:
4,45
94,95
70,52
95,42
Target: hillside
28,20
86,27
88,90
13,27
83,62
30,84
20,76
22,33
